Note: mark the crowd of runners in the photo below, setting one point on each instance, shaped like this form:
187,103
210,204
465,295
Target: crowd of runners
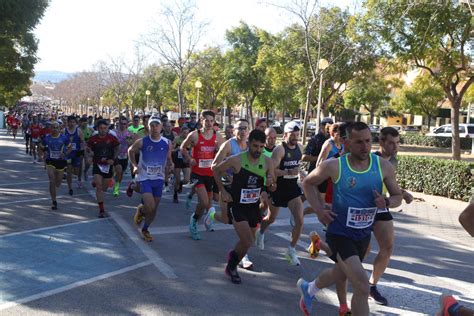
242,177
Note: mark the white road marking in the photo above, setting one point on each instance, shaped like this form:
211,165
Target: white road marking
9,184
73,285
45,198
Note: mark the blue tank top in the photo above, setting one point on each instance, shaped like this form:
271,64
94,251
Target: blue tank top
353,199
153,157
234,147
74,139
56,146
334,149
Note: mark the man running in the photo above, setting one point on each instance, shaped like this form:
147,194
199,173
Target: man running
15,124
86,134
357,179
383,224
286,159
35,133
56,147
229,132
120,165
155,157
170,135
250,169
74,159
204,143
180,166
105,149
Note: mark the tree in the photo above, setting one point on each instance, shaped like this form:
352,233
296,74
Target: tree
423,97
175,39
431,35
160,81
370,91
18,46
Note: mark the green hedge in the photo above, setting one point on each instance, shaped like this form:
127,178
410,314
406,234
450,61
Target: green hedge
448,178
422,140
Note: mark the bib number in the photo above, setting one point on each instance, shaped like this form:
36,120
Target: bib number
205,163
360,218
180,154
153,170
249,196
73,146
104,168
55,154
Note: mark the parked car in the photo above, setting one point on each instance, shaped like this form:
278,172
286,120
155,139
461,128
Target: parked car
465,131
310,126
374,128
399,128
412,129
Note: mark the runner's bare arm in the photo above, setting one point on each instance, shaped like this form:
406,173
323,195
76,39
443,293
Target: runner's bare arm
271,178
390,180
223,152
190,141
323,155
219,140
231,163
133,150
277,156
169,160
327,169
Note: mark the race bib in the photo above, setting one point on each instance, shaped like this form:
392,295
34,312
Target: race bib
205,163
180,154
122,156
104,168
153,170
360,218
73,146
249,196
55,154
291,176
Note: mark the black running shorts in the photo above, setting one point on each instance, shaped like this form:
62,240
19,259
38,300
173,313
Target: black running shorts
237,213
96,170
347,247
285,193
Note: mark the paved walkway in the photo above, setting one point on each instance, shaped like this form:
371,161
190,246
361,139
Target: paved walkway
70,262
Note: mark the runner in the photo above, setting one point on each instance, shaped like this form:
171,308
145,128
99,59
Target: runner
358,178
120,165
57,148
170,135
250,168
286,157
15,124
155,156
86,134
180,165
105,149
35,132
74,159
192,124
25,129
261,124
205,142
229,132
383,224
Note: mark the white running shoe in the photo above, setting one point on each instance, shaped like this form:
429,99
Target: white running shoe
259,240
292,257
245,263
166,189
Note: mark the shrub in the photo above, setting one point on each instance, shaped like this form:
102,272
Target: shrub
448,178
422,140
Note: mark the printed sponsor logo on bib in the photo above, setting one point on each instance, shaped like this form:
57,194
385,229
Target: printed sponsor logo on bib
249,196
180,154
205,163
153,170
55,154
104,168
360,218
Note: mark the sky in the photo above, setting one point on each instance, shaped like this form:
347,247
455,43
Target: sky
75,34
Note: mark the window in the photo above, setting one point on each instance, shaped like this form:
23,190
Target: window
462,129
470,129
439,130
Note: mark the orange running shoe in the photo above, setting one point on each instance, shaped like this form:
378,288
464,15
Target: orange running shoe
445,303
315,245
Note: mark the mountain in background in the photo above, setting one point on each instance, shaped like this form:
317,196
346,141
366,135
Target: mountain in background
51,76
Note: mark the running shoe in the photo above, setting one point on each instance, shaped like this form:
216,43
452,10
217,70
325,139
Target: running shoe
166,189
54,206
130,189
209,220
189,199
246,263
146,235
233,274
138,218
116,191
306,301
344,311
315,245
71,192
101,214
193,230
175,197
445,303
291,257
376,296
188,185
259,240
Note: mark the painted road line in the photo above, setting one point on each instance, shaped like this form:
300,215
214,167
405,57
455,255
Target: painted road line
9,184
45,198
73,285
152,255
50,227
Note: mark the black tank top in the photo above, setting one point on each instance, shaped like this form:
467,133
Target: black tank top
290,160
168,136
247,184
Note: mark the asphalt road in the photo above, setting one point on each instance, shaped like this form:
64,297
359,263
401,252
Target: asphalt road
70,262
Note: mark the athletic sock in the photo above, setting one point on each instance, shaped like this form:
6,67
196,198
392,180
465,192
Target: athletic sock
312,289
343,307
101,206
145,227
195,216
233,260
453,309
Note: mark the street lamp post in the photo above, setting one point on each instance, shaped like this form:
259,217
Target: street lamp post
88,104
322,65
147,92
198,86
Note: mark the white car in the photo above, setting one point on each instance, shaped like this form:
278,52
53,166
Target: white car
465,131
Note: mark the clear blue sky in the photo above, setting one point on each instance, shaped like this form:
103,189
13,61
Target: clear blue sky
75,34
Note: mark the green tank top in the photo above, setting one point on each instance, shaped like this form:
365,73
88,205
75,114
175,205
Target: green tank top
247,184
87,133
133,129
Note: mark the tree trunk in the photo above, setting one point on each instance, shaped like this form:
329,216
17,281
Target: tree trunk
371,117
429,122
249,109
456,142
309,93
181,97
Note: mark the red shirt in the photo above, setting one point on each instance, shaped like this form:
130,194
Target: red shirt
35,130
177,130
204,152
103,147
45,131
15,123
